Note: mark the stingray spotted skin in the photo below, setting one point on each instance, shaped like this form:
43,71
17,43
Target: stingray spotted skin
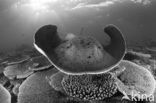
90,87
5,96
135,80
80,54
84,53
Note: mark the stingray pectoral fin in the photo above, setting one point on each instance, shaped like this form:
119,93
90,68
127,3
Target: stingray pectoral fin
47,38
117,46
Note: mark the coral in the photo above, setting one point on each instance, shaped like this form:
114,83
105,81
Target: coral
19,70
36,89
55,81
39,63
5,96
136,80
90,86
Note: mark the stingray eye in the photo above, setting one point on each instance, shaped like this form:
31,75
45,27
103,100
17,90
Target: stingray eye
80,54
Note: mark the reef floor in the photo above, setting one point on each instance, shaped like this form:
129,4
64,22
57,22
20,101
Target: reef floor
27,68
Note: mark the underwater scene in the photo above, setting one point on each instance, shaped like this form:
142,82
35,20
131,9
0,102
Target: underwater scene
77,51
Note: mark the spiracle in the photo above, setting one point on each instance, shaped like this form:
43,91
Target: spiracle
90,86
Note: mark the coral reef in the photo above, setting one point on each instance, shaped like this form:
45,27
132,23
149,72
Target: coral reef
37,82
29,77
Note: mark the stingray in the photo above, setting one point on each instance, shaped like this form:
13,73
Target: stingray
75,54
81,57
